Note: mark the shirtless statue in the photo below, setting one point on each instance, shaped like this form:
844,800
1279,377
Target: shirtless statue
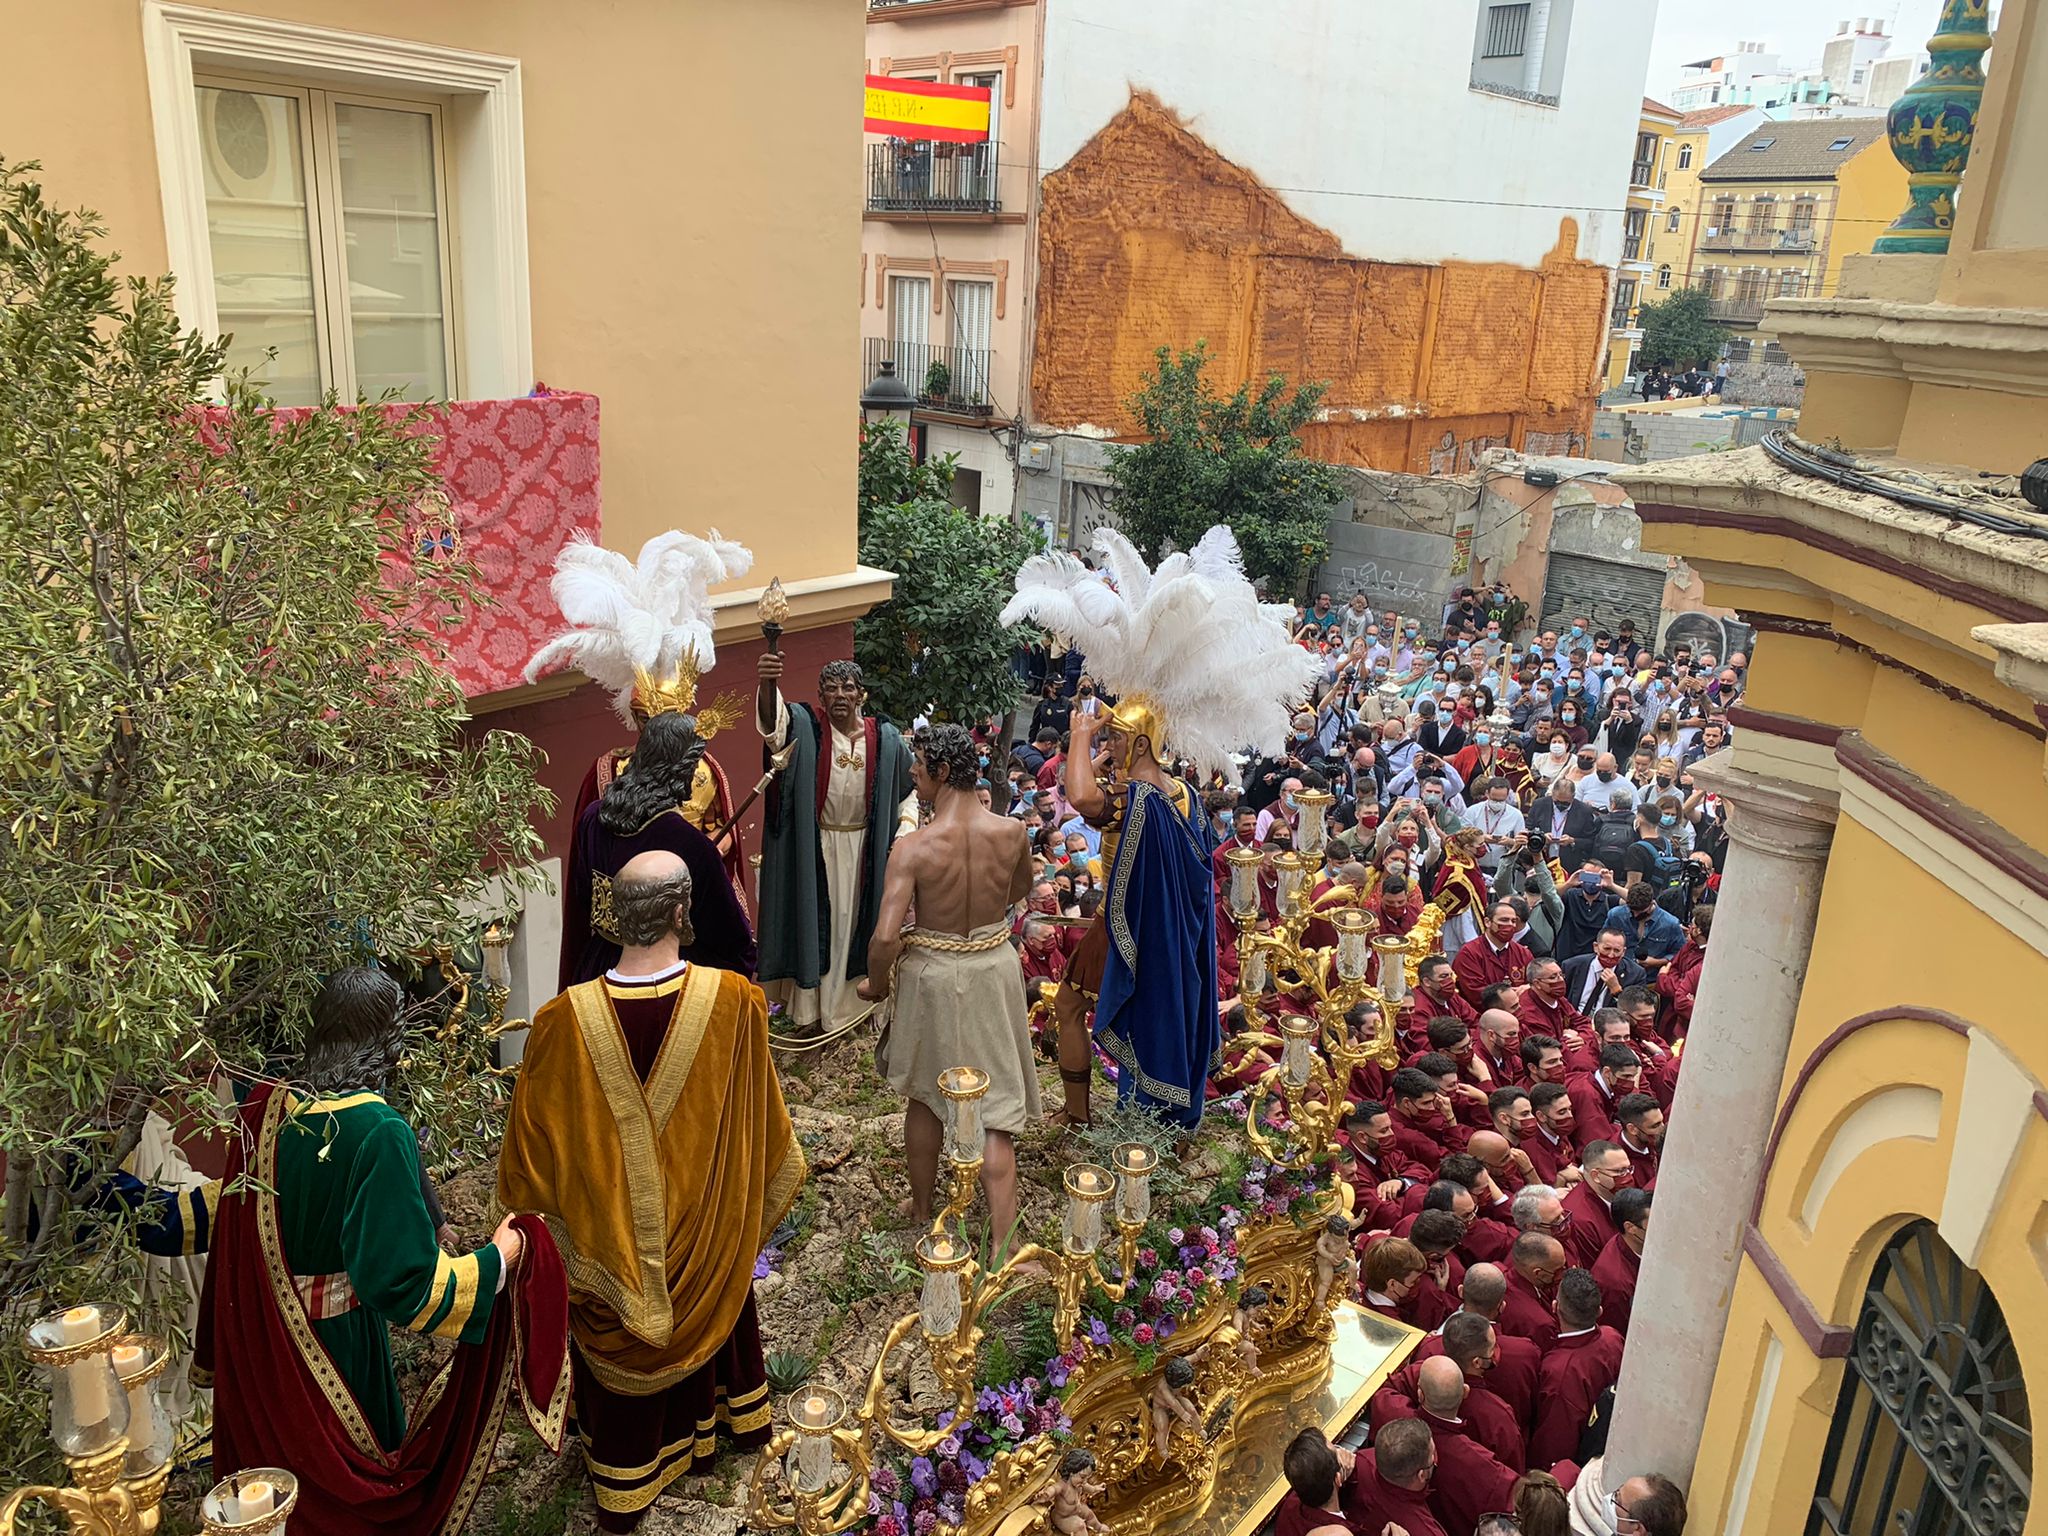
955,974
1334,1259
1072,1492
1173,1402
1252,1308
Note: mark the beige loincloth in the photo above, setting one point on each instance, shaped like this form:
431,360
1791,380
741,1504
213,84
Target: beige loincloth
959,1002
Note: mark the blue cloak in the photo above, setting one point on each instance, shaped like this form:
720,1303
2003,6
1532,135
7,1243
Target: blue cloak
1158,1020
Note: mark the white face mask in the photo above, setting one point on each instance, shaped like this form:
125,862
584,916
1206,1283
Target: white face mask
1557,749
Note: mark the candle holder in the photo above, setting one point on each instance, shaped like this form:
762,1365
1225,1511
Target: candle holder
1135,1165
1290,874
1354,942
963,1089
117,1482
1312,827
256,1501
1244,881
1394,960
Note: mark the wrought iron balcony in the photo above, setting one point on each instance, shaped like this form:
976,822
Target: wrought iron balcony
1799,238
1737,310
1640,173
923,176
943,378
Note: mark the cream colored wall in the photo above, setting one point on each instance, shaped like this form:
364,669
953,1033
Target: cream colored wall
1998,256
1870,191
950,46
693,212
1682,191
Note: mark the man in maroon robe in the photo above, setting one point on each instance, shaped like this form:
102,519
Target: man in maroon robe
1423,1131
1621,1261
1543,1060
1500,1047
1244,829
1504,1364
1583,1363
1380,1173
1594,1096
1315,1470
1494,956
1436,992
1390,1483
1436,1234
1471,1481
1534,1264
1508,1167
1468,1342
1552,1147
1544,1008
1678,983
1641,1120
1590,1202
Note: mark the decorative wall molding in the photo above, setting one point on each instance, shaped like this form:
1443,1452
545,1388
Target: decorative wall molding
486,162
1828,1341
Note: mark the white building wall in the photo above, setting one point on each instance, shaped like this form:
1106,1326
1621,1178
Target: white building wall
1359,114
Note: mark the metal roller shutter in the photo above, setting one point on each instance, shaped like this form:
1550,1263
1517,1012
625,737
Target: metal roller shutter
1606,591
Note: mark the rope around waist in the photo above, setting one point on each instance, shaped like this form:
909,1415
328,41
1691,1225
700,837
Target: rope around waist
955,944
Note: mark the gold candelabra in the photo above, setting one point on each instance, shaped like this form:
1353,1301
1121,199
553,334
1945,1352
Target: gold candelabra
814,1475
1318,1051
116,1439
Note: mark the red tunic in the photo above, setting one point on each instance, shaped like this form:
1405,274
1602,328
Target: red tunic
1677,984
1487,1416
1470,1480
1549,1157
1295,1518
1540,1016
1428,1140
1577,1369
1511,1073
1429,1006
1527,1315
1371,1503
1592,1225
1513,1377
1592,1110
1479,965
1643,1160
1617,1269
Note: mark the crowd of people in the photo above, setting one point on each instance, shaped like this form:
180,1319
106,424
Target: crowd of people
1530,797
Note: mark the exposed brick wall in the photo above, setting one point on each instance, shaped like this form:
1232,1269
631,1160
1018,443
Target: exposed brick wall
1148,237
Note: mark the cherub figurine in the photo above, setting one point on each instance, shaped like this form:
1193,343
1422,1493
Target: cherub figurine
1334,1259
1252,1308
1070,1494
1172,1401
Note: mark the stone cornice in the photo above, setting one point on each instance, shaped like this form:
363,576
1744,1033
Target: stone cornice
1778,817
1948,344
2004,575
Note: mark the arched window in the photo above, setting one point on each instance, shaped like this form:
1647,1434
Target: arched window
1932,1435
1663,277
1685,157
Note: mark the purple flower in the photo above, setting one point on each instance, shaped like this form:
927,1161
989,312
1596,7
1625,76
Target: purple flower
1098,1333
924,1522
1031,1385
1162,1290
1148,1257
874,1500
975,1468
1168,1327
922,1477
953,1508
986,1400
951,1478
1197,1278
1012,1424
883,1481
948,1448
1175,1236
1125,1317
1209,1236
1056,1373
1149,1307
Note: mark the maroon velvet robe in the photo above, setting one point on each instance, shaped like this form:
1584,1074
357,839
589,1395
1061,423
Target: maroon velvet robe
1592,1225
1470,1480
1372,1503
1479,965
1577,1369
1617,1270
1526,1314
1513,1377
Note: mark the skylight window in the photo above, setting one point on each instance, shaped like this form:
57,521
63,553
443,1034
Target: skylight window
1761,145
1840,144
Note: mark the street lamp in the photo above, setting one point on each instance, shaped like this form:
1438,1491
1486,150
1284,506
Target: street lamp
887,394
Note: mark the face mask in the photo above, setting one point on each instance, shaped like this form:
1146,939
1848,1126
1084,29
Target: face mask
1482,739
1576,686
1606,776
1667,821
1569,717
1432,799
1557,749
1663,781
1578,630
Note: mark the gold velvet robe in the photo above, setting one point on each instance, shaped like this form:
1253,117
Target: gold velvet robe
661,1197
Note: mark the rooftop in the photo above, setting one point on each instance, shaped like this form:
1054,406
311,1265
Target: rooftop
1813,149
1655,108
1707,117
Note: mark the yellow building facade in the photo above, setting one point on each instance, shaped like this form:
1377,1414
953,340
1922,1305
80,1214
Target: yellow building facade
1783,209
1645,241
1843,1312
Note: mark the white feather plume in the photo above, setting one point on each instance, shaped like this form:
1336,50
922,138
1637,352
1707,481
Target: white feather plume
1191,637
626,615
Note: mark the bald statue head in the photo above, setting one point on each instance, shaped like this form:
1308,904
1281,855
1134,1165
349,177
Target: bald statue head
1442,1386
1485,1288
651,905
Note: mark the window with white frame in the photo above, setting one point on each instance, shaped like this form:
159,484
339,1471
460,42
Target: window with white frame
1685,157
973,307
1663,277
910,313
1671,223
327,220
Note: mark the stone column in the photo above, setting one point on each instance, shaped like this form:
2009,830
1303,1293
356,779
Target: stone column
1734,1064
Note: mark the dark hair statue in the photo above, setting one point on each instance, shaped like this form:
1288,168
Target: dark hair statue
1180,1372
659,777
841,672
358,1031
949,755
1077,1461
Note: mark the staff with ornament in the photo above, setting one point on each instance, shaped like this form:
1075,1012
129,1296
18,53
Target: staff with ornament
1202,669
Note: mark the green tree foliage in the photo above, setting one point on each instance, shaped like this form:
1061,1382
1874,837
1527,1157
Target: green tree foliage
1681,331
1232,459
936,644
233,758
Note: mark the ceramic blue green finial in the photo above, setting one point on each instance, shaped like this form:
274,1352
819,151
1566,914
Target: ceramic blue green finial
1932,124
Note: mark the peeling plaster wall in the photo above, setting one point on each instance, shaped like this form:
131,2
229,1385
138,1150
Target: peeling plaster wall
1359,113
1149,237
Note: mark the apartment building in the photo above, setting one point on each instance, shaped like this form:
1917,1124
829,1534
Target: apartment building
1644,229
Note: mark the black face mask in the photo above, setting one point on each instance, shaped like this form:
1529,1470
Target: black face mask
1606,776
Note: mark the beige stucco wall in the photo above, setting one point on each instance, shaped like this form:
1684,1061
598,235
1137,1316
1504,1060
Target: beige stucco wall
693,224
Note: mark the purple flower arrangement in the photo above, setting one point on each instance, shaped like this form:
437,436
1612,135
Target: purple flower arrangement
914,1496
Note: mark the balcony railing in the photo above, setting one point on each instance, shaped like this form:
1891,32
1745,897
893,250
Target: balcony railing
1639,174
1800,239
942,378
1739,310
1623,318
922,176
1631,247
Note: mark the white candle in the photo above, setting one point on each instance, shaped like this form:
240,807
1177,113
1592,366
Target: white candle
87,1377
254,1500
128,1359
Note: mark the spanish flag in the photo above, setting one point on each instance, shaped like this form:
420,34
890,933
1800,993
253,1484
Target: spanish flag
925,109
